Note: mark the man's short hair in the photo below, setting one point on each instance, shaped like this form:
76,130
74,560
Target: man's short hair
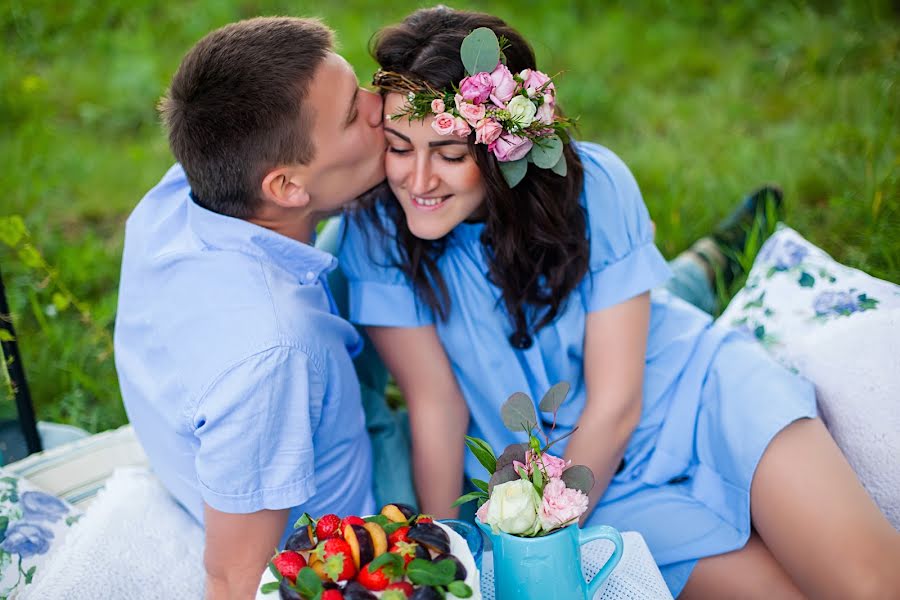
235,109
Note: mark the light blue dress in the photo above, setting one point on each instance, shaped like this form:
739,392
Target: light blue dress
712,399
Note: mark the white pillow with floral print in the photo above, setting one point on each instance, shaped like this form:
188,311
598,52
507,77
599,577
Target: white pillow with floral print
32,523
795,289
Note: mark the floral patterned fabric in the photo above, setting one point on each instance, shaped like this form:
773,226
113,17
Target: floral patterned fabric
794,289
31,522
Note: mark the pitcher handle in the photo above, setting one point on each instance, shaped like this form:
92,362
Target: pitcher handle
602,532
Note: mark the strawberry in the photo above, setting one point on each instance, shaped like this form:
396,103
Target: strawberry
403,586
332,595
351,520
289,564
327,527
398,536
405,549
336,559
424,519
375,580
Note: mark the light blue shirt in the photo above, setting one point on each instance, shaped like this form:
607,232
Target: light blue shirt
235,367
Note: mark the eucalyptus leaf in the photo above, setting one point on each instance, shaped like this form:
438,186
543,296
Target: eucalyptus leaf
504,475
513,452
547,151
483,453
553,399
480,51
518,413
514,171
561,167
424,572
579,477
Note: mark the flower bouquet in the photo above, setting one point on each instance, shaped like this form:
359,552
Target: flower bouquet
530,492
527,505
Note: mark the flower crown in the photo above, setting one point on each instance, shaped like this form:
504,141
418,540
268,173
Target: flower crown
513,114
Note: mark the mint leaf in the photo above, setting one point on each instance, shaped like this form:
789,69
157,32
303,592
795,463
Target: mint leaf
423,572
459,589
308,583
270,587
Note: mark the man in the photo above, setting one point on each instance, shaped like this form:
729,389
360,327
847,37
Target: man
234,366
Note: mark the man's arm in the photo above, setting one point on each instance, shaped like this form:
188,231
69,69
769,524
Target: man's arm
237,550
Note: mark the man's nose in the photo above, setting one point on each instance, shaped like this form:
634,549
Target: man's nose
373,107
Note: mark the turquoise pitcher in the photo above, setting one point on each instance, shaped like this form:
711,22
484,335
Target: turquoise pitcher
548,567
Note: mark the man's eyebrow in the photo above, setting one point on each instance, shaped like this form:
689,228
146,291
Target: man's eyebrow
435,144
351,111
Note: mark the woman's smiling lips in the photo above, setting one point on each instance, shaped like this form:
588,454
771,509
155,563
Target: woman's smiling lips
429,204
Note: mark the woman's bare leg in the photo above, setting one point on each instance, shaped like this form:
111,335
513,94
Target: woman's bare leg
751,572
817,520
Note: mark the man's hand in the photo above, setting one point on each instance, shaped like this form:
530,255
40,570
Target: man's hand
237,549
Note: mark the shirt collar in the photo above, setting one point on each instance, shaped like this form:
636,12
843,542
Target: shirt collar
221,232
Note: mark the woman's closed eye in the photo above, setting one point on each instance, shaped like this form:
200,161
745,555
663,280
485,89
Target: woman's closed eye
394,150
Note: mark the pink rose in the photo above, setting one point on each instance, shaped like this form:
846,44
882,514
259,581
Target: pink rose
561,505
509,147
533,81
545,111
460,127
504,85
443,124
487,130
551,466
471,112
437,106
477,88
481,513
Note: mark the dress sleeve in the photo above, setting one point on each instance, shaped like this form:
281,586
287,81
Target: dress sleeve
624,261
380,293
254,428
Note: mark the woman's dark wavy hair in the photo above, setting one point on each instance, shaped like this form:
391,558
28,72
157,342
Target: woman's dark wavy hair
534,235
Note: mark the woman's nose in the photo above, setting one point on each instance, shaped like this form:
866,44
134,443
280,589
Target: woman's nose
423,179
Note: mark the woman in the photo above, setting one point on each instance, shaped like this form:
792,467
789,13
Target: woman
474,285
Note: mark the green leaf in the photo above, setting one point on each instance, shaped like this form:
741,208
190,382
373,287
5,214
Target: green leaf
514,171
6,336
270,587
274,570
483,453
12,230
561,167
303,521
424,572
579,477
553,399
480,51
460,589
476,495
380,519
29,574
60,301
537,478
392,527
547,152
806,280
308,583
518,413
481,485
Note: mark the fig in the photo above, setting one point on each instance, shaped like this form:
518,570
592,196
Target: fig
379,538
460,569
422,552
398,513
361,547
301,540
425,593
431,536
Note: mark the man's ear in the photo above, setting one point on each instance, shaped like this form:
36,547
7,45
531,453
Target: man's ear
285,187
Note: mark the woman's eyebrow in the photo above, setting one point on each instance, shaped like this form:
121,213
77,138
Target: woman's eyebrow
435,144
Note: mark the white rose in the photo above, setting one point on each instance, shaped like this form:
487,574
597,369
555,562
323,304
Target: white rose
514,508
522,110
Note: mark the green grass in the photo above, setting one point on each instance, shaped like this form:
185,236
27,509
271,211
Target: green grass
702,103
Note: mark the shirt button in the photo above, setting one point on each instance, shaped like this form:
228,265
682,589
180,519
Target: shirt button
310,275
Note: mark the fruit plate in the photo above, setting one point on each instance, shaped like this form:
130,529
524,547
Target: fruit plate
458,548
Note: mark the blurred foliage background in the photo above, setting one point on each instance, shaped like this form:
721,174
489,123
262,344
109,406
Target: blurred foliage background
703,100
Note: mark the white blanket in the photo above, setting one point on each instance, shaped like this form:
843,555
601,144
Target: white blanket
134,542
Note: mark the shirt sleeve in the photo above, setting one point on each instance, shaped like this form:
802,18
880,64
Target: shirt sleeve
624,261
254,427
380,293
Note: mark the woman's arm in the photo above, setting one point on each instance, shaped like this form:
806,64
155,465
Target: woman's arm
615,348
438,414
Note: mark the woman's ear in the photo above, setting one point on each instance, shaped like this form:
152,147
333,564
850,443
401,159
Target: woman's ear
285,187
